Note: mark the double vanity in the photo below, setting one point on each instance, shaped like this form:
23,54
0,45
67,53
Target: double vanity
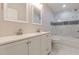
38,43
26,44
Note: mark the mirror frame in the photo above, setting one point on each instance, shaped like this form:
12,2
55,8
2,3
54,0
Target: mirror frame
33,14
18,21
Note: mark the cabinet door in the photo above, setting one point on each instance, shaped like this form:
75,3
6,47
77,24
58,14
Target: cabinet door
15,48
44,45
34,46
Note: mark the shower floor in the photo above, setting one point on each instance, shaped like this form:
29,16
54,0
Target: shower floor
65,45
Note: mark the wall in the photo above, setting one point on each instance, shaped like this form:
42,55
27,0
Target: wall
67,30
67,15
9,28
47,18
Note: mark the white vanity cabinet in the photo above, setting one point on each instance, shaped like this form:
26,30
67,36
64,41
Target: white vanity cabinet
45,44
37,45
40,45
26,47
15,48
34,46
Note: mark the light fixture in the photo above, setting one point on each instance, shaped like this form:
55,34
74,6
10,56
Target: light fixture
64,6
37,5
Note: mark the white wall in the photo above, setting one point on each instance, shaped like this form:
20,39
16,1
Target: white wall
67,15
67,30
10,28
47,18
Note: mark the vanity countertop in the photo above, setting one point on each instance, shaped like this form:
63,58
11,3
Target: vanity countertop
9,39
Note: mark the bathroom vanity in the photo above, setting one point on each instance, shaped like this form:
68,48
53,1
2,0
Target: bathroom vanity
38,43
26,44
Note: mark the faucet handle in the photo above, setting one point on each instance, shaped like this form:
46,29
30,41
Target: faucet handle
19,32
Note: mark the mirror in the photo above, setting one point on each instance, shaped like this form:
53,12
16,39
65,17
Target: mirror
16,12
36,16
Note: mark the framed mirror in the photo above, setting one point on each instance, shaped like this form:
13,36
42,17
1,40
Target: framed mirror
16,12
36,16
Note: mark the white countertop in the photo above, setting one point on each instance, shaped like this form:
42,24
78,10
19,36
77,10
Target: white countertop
9,39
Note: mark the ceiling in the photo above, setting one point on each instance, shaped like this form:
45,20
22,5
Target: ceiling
57,7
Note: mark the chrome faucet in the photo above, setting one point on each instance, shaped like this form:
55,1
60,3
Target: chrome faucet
19,32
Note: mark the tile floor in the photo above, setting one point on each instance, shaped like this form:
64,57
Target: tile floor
65,45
